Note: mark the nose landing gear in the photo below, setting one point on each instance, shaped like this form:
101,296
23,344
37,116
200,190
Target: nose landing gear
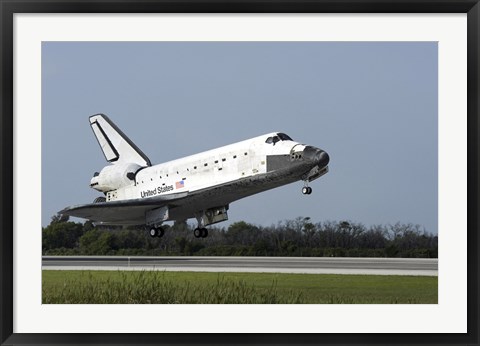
306,190
315,173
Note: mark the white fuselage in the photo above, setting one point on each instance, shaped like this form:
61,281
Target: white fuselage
214,167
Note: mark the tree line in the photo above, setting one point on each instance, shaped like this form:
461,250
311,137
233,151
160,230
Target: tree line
299,237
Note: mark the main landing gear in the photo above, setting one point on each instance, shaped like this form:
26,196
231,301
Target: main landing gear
200,232
306,190
156,232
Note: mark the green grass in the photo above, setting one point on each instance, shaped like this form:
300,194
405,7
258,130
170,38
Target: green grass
157,287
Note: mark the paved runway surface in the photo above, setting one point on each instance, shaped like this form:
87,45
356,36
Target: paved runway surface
307,265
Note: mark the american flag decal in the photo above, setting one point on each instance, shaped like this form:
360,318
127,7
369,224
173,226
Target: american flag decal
179,184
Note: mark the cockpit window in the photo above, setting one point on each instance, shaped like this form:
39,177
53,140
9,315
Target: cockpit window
284,137
278,137
273,140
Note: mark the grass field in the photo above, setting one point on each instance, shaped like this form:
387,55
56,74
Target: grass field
156,287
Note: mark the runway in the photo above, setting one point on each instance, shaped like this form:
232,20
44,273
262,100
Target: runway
296,265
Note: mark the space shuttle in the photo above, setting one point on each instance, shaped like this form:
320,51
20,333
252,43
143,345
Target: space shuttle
201,186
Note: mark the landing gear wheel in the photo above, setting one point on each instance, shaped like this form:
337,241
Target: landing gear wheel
161,232
197,232
200,233
156,232
306,190
153,232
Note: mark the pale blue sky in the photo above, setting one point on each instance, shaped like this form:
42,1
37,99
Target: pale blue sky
371,106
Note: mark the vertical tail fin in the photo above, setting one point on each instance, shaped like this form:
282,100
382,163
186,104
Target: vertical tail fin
116,146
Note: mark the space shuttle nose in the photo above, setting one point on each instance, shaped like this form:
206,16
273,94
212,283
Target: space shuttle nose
318,156
323,158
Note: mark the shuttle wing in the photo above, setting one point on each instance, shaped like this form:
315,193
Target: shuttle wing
132,211
125,212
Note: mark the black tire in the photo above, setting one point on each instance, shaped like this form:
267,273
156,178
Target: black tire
153,232
204,232
197,233
305,190
161,232
309,190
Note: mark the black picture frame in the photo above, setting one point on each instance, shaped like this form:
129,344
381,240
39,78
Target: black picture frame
10,7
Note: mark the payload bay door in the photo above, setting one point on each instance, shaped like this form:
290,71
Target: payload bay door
255,155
